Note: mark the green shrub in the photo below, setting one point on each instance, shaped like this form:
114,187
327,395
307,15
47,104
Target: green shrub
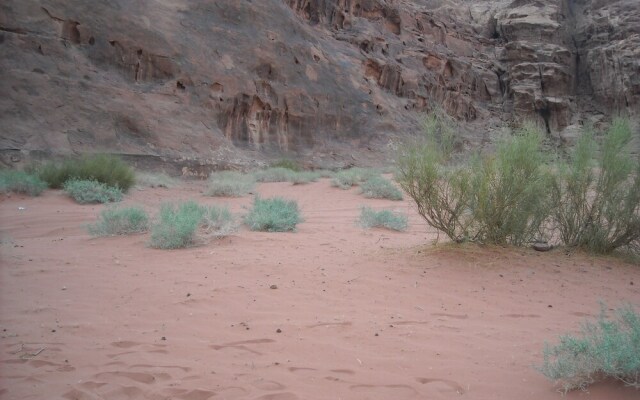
325,173
347,178
596,198
20,182
177,225
88,191
104,168
273,215
154,180
606,348
370,218
120,221
510,191
230,184
302,177
181,225
501,198
288,164
378,187
277,174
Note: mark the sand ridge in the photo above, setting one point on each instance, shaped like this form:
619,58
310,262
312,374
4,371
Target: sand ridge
357,314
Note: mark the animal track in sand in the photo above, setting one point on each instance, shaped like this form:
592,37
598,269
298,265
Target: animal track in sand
456,316
520,316
327,324
241,345
443,385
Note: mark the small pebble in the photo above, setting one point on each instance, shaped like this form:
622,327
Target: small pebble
278,330
163,338
273,287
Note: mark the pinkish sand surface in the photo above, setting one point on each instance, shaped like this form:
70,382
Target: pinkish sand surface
357,314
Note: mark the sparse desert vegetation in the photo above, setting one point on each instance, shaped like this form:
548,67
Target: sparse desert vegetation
120,221
104,168
607,348
14,181
273,215
91,191
370,218
378,187
230,184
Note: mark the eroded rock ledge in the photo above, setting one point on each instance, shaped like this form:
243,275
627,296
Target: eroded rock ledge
236,82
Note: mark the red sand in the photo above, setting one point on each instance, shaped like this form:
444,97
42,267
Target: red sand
357,314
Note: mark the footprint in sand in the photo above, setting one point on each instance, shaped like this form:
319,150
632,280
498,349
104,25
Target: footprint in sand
242,345
442,385
139,377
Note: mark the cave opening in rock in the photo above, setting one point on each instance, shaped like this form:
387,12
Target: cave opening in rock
545,113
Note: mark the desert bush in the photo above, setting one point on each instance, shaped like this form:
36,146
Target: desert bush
273,215
277,174
501,198
154,180
596,196
606,348
325,173
21,182
217,222
348,178
510,191
182,225
378,187
370,218
104,168
91,191
287,163
302,177
230,184
120,221
177,225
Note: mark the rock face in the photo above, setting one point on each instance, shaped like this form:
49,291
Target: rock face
210,83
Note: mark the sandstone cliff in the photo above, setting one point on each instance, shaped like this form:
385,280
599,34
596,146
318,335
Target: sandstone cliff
209,83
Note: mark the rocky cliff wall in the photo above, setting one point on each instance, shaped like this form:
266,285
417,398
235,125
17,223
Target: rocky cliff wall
213,83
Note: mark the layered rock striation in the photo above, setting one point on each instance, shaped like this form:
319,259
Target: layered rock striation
212,83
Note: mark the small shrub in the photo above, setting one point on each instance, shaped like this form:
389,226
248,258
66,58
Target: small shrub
177,225
606,348
120,221
217,222
273,215
230,184
277,174
325,173
302,177
378,187
181,225
104,168
21,182
370,218
347,178
288,164
154,180
597,198
89,191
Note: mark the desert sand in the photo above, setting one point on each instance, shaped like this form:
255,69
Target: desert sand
331,311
